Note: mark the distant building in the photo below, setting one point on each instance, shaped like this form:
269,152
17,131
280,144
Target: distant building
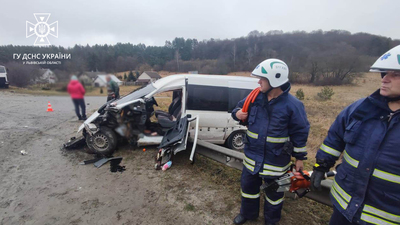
147,77
46,76
93,75
101,81
88,77
193,72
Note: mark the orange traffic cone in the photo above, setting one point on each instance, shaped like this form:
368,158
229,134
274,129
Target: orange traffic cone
49,109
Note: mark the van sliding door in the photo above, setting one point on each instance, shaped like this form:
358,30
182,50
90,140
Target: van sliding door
211,102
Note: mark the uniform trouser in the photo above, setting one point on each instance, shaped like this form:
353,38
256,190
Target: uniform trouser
338,219
80,103
250,207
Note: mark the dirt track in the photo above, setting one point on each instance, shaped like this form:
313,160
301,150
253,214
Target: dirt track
48,186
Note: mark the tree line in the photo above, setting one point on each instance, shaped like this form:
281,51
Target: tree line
320,57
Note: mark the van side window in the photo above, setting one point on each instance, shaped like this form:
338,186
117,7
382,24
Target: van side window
235,95
207,98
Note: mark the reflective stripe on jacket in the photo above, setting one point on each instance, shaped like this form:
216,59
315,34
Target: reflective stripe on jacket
270,125
367,184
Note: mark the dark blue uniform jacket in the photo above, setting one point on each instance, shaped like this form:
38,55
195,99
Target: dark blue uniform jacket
270,125
367,185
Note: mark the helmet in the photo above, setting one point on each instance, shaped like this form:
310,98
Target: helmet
388,61
275,70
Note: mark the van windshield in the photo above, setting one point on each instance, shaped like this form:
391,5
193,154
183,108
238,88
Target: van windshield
2,69
138,93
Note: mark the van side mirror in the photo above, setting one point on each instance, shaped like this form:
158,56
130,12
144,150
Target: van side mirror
189,116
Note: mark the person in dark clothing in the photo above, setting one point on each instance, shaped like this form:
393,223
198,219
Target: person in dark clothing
76,90
367,134
274,119
112,89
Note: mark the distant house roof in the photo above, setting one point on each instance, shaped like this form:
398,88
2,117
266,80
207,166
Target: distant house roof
93,75
46,76
102,78
153,74
42,71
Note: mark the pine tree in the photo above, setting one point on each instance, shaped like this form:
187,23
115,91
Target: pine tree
125,77
131,77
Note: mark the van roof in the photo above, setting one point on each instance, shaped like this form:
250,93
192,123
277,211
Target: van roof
213,80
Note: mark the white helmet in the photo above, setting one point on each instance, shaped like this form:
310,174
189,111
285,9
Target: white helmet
388,61
275,70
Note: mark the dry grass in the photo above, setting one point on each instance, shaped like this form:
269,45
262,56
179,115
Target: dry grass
321,114
240,73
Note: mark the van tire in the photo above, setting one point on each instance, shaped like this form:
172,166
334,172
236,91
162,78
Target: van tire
236,140
103,142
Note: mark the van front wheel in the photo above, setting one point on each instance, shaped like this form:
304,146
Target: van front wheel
236,140
103,142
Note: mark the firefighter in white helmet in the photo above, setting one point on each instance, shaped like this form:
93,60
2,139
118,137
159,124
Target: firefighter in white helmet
367,134
275,119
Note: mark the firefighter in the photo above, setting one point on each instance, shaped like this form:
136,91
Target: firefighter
367,134
273,119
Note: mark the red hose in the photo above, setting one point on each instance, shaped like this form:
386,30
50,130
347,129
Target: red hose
250,99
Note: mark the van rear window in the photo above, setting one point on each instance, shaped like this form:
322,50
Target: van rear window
207,98
2,69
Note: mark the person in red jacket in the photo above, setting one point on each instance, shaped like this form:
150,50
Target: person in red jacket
76,90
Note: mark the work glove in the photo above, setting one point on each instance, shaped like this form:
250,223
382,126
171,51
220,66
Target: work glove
321,167
316,179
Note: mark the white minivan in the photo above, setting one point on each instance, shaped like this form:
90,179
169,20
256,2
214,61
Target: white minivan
3,77
202,101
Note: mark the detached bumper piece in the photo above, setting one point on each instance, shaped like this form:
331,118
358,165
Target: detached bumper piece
75,143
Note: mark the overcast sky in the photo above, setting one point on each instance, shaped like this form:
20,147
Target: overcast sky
152,22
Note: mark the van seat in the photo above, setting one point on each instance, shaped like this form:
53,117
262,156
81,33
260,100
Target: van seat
168,119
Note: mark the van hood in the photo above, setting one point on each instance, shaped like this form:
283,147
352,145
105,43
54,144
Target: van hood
135,96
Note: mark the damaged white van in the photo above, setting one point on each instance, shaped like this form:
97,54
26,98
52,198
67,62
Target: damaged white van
202,101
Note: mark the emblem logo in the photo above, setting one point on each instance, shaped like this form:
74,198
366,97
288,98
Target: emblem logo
41,29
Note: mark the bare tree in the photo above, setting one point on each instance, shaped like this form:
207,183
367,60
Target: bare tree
270,53
233,53
255,49
22,75
313,67
249,55
177,57
339,64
